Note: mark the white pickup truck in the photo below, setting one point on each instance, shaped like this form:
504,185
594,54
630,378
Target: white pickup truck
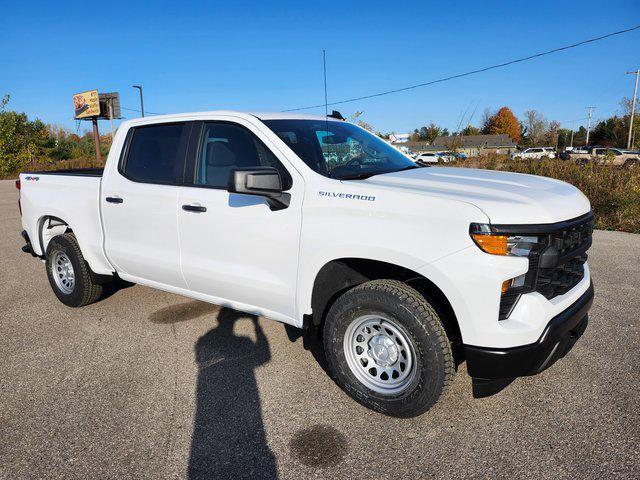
403,271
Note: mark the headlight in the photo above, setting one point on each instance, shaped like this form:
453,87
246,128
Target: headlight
497,244
511,245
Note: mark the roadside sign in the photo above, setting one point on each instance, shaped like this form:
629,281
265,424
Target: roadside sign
110,105
86,104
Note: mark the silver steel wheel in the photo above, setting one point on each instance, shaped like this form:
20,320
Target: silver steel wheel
379,354
62,271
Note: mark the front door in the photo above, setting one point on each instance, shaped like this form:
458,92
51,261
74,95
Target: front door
234,247
139,205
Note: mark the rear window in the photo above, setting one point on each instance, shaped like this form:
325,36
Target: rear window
153,154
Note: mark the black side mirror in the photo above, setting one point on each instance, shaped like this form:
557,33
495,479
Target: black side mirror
260,181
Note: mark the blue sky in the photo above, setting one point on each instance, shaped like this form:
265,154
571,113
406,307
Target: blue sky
193,56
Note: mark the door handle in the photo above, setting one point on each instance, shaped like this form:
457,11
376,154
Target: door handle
114,199
194,208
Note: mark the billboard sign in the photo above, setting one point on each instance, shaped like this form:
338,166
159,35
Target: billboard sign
110,105
86,104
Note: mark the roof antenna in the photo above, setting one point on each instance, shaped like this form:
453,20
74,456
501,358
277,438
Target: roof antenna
324,68
334,114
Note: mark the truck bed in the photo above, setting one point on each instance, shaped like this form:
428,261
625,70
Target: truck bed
84,172
70,196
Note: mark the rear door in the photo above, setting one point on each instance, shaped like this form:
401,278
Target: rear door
234,247
139,204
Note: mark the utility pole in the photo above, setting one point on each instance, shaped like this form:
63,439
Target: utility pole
571,144
111,116
589,124
633,106
139,87
96,139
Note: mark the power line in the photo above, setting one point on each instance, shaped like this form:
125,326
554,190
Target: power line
572,121
472,72
140,111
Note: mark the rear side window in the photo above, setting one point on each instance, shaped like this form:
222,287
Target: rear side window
153,154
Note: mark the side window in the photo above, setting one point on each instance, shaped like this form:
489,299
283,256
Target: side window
224,147
153,153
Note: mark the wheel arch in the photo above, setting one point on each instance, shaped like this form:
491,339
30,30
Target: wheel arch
340,275
50,226
56,225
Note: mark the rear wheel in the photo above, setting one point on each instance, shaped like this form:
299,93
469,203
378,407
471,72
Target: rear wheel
386,348
68,273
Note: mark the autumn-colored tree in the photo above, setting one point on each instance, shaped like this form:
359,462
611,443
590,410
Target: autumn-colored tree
504,121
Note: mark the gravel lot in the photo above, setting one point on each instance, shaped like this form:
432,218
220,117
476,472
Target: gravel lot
146,384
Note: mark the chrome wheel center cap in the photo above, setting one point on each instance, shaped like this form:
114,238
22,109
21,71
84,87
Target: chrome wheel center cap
383,350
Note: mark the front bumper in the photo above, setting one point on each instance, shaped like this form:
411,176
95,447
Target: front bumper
558,337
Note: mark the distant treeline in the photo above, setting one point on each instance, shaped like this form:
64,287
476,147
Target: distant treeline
28,143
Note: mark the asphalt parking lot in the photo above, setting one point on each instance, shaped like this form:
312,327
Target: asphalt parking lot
146,384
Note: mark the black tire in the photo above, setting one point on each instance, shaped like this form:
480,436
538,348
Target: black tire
434,364
84,290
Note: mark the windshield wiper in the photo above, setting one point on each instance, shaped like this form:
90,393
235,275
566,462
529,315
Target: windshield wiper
358,176
364,176
408,167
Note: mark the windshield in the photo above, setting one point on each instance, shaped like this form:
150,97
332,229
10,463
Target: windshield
338,149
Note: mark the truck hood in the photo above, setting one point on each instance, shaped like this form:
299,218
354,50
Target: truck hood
512,198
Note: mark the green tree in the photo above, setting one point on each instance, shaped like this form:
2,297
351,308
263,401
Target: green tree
21,141
470,130
564,138
429,132
612,132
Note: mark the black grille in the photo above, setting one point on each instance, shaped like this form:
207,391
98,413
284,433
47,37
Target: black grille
559,280
571,244
557,264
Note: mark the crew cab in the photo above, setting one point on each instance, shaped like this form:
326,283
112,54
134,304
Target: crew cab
401,271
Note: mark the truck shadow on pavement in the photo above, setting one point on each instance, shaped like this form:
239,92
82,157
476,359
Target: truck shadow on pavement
229,439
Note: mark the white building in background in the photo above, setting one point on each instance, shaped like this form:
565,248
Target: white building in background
399,137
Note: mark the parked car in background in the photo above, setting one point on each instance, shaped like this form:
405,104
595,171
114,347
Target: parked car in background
632,152
405,150
434,157
535,152
602,155
568,151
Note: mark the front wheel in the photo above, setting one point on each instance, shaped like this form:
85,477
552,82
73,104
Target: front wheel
386,347
68,272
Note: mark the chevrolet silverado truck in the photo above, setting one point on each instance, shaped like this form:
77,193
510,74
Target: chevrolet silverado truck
399,272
